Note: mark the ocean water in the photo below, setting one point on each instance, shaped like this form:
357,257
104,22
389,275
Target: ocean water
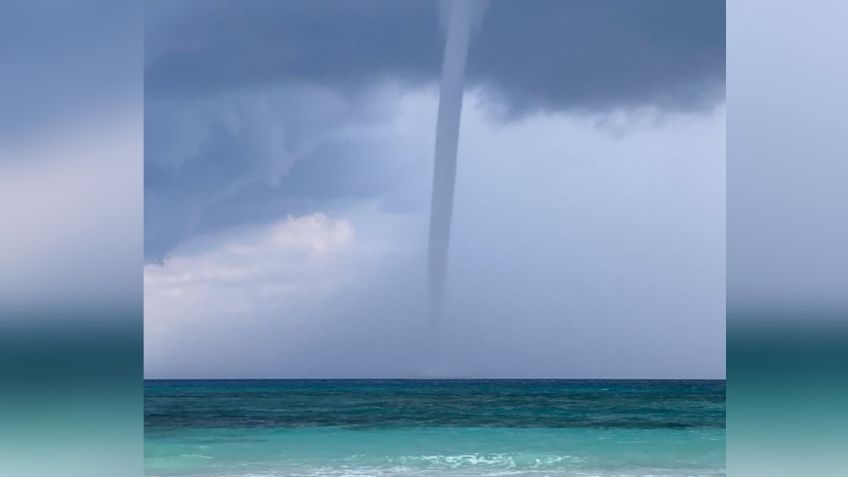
434,428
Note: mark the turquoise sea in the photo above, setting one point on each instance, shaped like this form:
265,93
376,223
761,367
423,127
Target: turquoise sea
259,428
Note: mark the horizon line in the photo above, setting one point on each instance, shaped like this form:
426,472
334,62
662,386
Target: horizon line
427,379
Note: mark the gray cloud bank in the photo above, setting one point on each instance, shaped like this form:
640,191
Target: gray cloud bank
260,108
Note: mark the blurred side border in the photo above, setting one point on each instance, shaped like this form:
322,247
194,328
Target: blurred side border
787,204
71,258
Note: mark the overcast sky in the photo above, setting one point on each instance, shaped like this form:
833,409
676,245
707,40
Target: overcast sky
288,166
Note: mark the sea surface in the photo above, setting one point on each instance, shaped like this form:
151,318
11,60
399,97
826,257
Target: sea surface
267,428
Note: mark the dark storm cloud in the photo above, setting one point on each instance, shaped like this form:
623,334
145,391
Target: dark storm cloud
551,54
603,54
244,100
203,47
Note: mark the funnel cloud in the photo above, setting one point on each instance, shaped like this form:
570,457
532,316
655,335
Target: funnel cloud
459,20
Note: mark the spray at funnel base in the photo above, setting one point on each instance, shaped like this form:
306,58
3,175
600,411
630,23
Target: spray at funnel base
461,18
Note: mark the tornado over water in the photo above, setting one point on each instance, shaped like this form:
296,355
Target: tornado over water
459,19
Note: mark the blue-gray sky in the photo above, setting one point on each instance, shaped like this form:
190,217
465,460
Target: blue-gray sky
288,159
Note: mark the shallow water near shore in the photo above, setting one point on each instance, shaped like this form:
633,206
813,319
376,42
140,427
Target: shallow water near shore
458,427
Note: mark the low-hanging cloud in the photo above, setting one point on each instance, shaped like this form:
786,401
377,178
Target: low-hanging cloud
279,151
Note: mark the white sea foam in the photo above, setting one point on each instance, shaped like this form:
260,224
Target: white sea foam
474,471
489,460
